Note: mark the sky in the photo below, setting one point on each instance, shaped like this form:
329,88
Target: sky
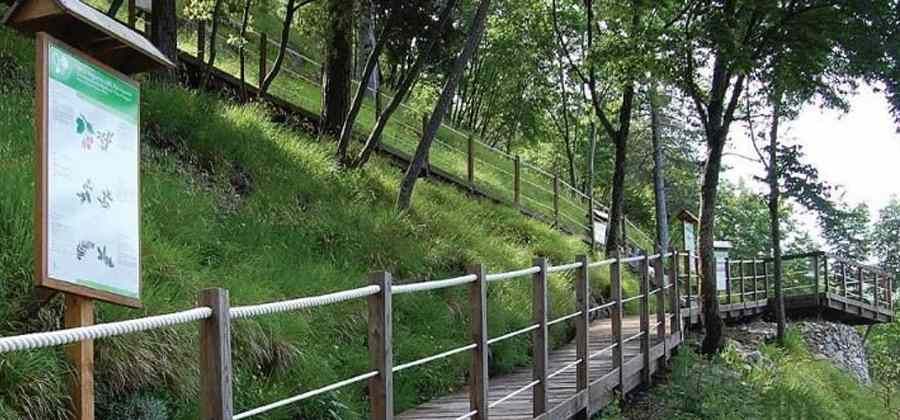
859,150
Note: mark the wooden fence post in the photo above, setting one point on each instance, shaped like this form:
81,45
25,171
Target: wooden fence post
215,357
741,264
859,284
660,280
478,375
755,280
765,274
875,281
470,163
517,180
381,353
556,198
645,319
615,278
676,298
79,312
201,41
541,358
591,225
825,273
727,281
582,331
263,64
843,281
687,286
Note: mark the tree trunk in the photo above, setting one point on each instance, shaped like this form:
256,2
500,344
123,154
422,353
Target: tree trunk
217,10
659,181
164,28
111,12
245,20
404,87
774,222
282,48
421,157
338,67
712,342
368,71
614,236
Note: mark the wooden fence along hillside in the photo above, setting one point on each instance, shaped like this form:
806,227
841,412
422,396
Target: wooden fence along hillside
608,357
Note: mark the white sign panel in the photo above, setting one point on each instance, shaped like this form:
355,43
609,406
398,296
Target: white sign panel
690,241
599,233
720,269
91,189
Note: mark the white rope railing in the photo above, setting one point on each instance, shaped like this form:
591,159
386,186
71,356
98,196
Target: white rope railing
514,333
564,318
603,350
514,393
424,360
563,369
432,285
305,395
110,329
250,311
601,263
467,415
565,267
601,307
512,274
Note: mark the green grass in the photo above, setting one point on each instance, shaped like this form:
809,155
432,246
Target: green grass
789,383
304,228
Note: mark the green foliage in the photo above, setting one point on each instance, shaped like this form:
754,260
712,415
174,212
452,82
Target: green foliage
787,383
886,237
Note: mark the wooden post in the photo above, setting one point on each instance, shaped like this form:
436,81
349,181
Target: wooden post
676,298
843,280
815,270
79,312
859,284
517,183
727,281
132,14
615,276
765,275
659,277
825,273
875,281
755,280
687,286
215,357
645,320
470,163
582,330
741,282
556,199
201,41
541,359
381,353
478,375
590,217
263,64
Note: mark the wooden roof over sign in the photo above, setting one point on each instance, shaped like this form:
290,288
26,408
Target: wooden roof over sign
89,30
686,216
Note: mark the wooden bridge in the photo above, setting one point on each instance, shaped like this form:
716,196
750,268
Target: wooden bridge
618,344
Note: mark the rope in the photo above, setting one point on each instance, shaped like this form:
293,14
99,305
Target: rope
512,274
467,415
603,350
563,369
600,263
565,267
564,318
302,303
601,307
305,395
514,393
514,333
432,285
422,361
111,329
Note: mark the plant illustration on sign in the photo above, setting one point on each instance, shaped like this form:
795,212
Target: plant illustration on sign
103,257
104,199
82,249
85,128
86,190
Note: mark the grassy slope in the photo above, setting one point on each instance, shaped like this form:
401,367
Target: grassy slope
788,383
304,229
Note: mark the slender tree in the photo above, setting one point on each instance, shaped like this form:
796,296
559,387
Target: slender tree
164,28
659,179
338,66
420,158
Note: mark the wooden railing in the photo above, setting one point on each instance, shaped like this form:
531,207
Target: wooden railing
216,316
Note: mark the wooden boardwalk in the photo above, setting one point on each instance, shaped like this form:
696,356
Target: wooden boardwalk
561,390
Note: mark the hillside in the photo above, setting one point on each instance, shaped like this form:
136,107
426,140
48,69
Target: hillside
231,199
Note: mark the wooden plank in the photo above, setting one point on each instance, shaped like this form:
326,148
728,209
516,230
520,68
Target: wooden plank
381,353
660,281
79,312
676,298
478,375
556,198
539,340
727,281
517,175
216,401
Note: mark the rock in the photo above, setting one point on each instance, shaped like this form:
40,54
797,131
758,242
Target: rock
839,343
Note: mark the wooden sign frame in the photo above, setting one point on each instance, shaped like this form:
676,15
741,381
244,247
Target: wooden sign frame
42,277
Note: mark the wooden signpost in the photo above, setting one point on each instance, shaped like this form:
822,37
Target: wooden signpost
87,198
